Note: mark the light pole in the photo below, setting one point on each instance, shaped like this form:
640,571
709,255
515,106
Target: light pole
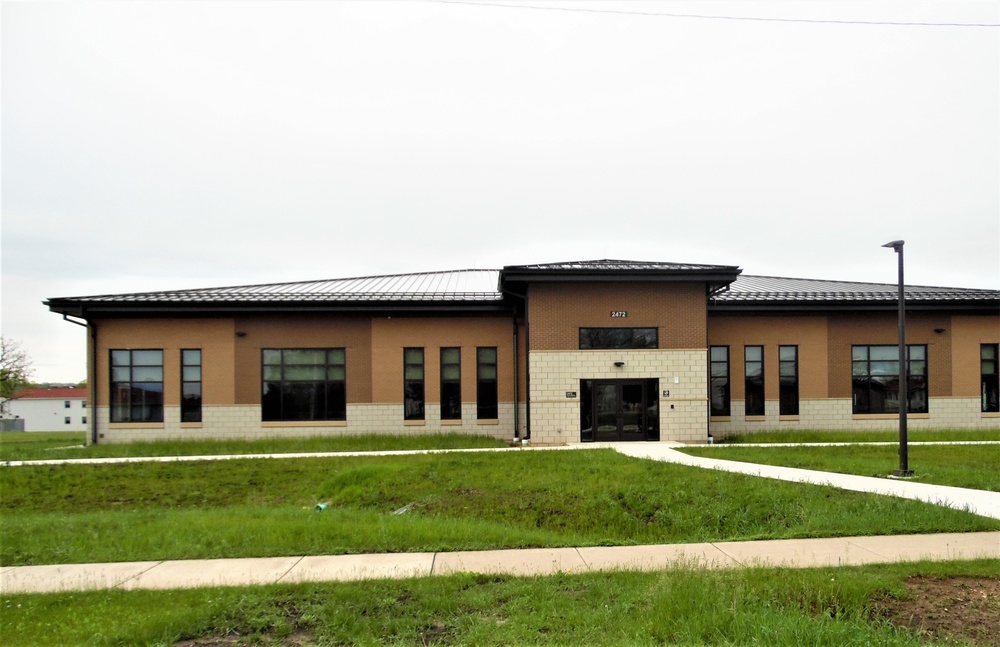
904,386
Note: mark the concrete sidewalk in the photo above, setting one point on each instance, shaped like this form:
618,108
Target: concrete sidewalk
796,553
981,502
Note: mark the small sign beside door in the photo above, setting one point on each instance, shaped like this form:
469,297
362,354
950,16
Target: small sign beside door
570,394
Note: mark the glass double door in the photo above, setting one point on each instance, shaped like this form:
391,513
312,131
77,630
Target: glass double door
619,410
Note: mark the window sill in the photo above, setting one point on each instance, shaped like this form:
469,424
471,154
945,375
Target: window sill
191,425
304,423
756,418
889,416
136,425
991,414
789,418
720,418
414,423
487,422
451,423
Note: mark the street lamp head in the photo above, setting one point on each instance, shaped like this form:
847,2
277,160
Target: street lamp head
896,245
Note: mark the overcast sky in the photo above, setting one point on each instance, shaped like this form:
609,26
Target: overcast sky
168,145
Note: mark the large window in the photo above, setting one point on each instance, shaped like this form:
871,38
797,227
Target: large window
788,380
719,357
614,338
486,383
451,384
989,368
753,382
413,383
875,373
191,385
136,386
304,384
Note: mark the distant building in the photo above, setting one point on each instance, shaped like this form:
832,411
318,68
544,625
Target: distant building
559,353
51,409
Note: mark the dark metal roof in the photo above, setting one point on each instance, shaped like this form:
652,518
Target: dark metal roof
773,290
609,265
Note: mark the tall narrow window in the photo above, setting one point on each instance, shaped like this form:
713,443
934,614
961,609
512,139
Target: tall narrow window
304,384
136,386
788,380
191,385
65,404
486,383
451,384
989,363
875,378
413,383
719,356
753,364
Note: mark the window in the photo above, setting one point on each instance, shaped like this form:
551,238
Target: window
719,356
989,363
136,386
83,403
413,383
788,380
875,373
486,384
753,364
304,384
66,420
614,338
84,420
66,404
451,384
191,385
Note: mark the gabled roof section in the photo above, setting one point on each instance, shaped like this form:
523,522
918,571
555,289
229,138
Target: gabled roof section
461,287
715,277
772,292
51,393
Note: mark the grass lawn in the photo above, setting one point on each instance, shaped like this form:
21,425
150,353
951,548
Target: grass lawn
820,607
264,507
22,446
827,436
957,465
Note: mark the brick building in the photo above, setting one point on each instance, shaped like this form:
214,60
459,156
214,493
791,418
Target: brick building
557,353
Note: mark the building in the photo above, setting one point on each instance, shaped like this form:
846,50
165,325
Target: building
51,409
556,354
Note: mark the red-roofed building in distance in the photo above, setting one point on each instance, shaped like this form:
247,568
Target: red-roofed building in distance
50,408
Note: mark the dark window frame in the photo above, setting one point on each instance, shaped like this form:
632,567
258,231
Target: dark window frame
989,378
451,384
289,396
872,386
788,381
487,398
137,398
191,389
754,403
720,404
618,338
414,391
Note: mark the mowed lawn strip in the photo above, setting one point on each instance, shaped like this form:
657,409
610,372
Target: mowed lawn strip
820,607
265,507
23,446
870,436
968,466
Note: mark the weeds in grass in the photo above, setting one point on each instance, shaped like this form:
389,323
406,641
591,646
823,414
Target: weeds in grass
264,507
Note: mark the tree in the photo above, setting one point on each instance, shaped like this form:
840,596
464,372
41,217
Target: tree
15,370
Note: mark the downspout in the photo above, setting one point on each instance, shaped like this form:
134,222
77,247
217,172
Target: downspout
517,382
527,372
92,372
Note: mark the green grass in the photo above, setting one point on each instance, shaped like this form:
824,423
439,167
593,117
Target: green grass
820,607
888,436
42,445
956,465
264,507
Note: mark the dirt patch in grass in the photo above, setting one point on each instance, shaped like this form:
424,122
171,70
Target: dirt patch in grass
948,609
297,639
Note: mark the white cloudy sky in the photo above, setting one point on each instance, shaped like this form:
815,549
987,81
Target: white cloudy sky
161,145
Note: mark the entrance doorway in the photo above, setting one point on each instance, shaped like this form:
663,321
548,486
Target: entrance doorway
619,410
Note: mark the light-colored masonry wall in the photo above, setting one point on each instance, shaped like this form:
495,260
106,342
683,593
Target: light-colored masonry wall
243,422
555,418
835,414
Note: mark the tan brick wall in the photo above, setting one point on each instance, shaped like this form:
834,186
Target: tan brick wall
557,311
555,419
967,333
